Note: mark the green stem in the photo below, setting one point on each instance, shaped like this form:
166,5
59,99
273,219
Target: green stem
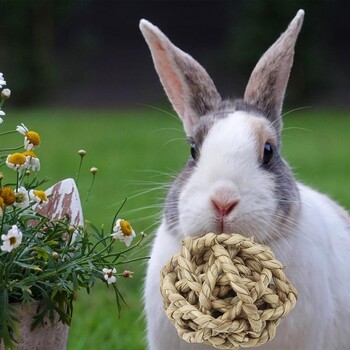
107,248
17,180
10,149
97,243
89,191
132,260
117,213
78,173
7,132
132,247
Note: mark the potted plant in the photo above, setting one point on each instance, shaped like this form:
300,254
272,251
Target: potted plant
47,252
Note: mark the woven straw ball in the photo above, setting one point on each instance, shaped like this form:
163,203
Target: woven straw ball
225,291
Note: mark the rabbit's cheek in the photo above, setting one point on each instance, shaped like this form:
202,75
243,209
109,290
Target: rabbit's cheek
194,215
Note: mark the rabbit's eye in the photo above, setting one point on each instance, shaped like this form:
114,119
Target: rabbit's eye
193,151
268,153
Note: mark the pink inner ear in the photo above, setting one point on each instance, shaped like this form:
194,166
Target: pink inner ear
169,77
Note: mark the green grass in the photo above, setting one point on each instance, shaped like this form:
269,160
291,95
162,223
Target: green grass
140,150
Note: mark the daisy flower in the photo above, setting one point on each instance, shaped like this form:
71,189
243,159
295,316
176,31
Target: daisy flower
5,94
31,139
22,199
8,195
12,240
33,160
123,231
17,161
2,206
108,275
38,196
2,81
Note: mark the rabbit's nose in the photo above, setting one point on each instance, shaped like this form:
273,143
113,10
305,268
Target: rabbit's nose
224,207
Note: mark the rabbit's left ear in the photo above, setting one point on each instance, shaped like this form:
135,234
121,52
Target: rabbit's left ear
268,81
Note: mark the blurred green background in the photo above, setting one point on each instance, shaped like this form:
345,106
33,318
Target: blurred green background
81,75
137,153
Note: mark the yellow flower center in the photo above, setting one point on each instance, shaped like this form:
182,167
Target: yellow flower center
33,137
29,154
41,195
126,228
13,240
8,195
17,159
20,197
2,204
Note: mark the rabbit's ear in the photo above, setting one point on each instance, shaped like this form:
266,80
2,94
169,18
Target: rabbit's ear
267,84
188,86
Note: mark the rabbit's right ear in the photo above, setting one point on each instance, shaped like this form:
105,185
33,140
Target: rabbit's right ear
188,86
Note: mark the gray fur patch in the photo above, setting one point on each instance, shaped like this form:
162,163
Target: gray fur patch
202,94
286,190
206,122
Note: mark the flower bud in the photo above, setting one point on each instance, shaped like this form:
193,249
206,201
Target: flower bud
82,153
93,170
127,274
5,94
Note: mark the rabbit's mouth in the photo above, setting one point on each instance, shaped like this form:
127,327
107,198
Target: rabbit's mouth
224,225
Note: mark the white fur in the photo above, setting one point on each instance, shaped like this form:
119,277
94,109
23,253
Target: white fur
229,164
315,251
316,255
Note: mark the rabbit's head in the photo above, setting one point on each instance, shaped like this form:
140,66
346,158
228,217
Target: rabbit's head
235,179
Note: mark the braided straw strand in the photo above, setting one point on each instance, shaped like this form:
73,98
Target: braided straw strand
226,291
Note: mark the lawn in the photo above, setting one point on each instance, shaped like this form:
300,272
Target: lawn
137,153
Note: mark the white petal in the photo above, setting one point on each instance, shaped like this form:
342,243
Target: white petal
128,240
22,129
111,280
6,247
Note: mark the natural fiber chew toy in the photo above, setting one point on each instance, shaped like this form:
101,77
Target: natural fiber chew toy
225,291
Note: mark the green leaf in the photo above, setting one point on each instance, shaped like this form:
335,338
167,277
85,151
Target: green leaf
42,253
28,266
7,321
52,243
75,281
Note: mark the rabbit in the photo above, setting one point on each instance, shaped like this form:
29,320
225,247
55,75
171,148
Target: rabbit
235,180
